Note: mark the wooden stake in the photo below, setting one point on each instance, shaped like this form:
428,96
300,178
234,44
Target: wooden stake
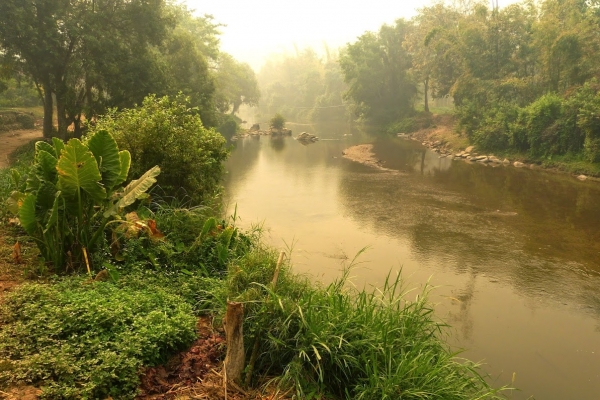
235,357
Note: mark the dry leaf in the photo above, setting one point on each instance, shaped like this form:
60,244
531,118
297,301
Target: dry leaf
154,232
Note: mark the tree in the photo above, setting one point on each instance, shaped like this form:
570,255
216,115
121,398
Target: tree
376,71
236,84
68,47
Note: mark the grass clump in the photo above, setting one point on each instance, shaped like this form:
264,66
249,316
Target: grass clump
340,342
81,340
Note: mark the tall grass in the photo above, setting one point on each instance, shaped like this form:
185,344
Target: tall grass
342,342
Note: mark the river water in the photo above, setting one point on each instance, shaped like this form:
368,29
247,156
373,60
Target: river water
514,253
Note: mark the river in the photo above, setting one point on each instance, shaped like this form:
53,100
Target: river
514,254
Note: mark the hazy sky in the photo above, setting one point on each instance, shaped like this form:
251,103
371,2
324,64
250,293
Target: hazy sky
258,28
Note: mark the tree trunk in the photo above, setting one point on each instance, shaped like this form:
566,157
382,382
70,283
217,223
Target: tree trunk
48,111
426,94
235,358
61,94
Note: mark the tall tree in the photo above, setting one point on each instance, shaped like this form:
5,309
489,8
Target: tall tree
236,84
376,71
63,45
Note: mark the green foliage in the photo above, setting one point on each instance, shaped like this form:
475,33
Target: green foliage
167,132
195,242
10,120
277,122
19,94
229,126
410,124
347,343
71,192
376,71
236,85
303,86
89,341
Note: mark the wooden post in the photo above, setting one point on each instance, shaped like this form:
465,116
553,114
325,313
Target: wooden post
235,357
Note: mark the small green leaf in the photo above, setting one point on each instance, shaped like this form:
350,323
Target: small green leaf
14,201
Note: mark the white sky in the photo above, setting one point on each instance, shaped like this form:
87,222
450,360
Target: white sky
256,29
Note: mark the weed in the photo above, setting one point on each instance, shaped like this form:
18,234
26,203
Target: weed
89,340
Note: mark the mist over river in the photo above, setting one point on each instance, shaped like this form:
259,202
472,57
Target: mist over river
514,253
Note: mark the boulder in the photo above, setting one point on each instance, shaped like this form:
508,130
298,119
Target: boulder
306,137
518,164
582,177
255,127
469,149
505,161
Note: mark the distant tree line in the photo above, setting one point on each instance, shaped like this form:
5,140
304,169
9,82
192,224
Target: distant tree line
303,86
86,56
523,78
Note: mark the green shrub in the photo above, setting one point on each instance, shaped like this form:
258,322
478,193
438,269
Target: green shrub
167,133
89,341
70,194
194,242
19,94
16,120
229,126
277,122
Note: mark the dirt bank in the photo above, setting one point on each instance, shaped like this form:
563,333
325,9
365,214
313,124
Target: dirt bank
11,140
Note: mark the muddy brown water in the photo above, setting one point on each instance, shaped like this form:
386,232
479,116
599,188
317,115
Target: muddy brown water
514,253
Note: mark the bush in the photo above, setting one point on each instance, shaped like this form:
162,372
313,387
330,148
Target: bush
18,94
167,132
16,120
70,194
277,122
89,341
229,126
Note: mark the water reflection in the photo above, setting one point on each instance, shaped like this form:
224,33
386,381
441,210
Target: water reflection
514,250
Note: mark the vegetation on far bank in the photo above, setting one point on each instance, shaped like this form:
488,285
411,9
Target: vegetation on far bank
85,329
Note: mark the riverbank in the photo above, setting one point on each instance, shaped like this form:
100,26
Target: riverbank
443,138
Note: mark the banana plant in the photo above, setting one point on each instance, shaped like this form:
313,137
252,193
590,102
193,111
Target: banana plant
72,192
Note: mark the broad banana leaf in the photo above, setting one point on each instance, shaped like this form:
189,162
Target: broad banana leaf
105,149
45,166
59,146
53,218
125,159
41,145
134,191
78,169
27,214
